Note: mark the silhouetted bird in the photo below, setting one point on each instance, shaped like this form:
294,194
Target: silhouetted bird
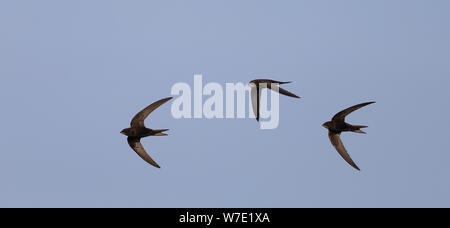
258,84
338,125
138,131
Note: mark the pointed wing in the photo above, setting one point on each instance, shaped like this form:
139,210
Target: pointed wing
340,116
138,119
255,101
282,91
139,149
337,143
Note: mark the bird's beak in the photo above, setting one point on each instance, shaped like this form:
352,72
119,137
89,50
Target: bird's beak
122,132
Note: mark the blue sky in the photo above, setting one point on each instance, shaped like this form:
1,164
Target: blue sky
73,74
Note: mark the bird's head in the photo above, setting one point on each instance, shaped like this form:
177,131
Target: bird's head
125,131
326,125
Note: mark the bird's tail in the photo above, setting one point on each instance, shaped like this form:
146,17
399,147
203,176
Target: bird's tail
159,132
278,82
357,129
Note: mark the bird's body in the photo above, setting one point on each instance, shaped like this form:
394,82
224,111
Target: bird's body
137,130
258,84
338,125
140,132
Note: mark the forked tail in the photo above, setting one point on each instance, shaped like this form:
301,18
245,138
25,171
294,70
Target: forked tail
159,132
357,129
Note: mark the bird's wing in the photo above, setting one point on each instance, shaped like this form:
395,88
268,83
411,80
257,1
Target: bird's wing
255,101
138,119
139,149
283,91
337,143
340,116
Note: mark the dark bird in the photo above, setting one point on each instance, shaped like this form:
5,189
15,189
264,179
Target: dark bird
138,131
258,84
337,125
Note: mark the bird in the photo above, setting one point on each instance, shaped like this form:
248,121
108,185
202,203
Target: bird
337,125
137,130
258,84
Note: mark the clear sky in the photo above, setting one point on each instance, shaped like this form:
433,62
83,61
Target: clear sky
73,74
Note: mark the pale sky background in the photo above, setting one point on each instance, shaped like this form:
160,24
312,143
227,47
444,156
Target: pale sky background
73,74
